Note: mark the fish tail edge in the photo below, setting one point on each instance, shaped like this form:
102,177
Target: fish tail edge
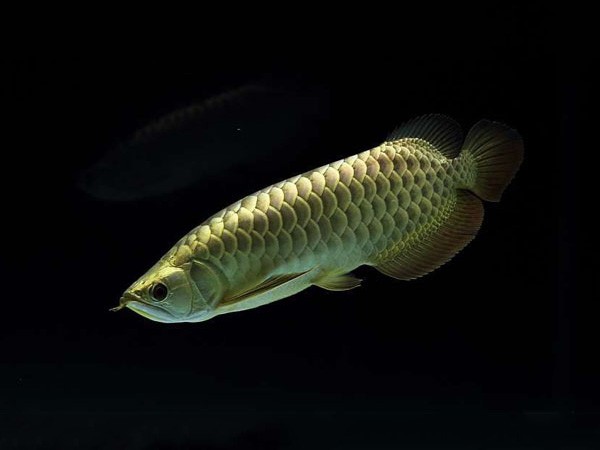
495,153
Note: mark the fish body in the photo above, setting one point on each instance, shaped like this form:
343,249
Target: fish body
404,207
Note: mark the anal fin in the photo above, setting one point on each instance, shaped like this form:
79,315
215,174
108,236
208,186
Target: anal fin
431,250
335,281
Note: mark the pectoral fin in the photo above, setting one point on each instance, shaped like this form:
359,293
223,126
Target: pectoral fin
267,285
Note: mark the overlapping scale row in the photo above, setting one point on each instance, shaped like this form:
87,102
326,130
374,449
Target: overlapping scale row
360,207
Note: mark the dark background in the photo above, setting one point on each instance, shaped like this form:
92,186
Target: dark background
483,353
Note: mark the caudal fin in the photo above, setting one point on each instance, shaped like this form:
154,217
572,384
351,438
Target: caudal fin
497,152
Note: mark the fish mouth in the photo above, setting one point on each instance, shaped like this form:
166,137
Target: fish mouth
151,312
125,299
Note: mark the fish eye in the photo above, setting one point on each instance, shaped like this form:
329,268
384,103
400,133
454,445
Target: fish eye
158,292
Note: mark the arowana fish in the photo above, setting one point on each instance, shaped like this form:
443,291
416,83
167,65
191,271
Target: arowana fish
405,207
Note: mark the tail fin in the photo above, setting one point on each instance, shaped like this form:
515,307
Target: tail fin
497,152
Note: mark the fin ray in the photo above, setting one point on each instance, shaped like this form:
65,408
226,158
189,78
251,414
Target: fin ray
431,251
444,133
335,281
264,286
497,152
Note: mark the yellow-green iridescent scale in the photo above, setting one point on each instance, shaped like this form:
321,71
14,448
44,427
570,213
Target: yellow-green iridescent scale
404,207
337,217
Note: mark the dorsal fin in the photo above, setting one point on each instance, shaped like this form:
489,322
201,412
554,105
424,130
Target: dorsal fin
440,131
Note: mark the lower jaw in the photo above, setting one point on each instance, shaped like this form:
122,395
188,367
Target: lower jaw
156,315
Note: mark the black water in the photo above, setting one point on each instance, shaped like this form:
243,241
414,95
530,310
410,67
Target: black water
488,352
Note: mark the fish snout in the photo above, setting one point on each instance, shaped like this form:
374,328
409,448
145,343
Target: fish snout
125,298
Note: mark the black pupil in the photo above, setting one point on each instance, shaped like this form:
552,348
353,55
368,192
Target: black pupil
159,292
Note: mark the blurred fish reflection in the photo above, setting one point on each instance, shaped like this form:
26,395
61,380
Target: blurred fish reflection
193,145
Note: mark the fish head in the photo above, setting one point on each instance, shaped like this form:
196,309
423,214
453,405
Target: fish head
175,293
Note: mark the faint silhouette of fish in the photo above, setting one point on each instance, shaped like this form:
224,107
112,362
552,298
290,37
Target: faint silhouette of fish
194,144
404,207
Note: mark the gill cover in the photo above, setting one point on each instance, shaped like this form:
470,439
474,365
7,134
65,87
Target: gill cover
209,286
